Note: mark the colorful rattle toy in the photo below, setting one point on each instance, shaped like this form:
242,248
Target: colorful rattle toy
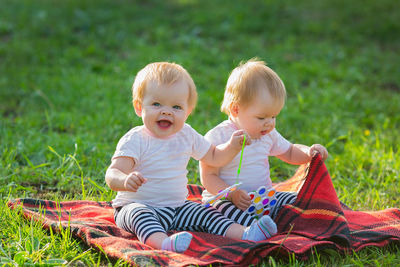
262,199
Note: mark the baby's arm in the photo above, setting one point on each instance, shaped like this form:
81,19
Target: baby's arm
120,175
222,154
209,177
299,154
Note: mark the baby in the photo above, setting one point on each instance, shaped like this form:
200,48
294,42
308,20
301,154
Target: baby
254,97
148,168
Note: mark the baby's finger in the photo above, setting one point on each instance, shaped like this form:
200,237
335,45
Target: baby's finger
315,149
137,182
248,140
243,206
314,152
131,185
243,193
246,198
140,179
238,133
324,154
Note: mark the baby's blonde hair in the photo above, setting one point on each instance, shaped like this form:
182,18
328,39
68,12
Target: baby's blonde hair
247,79
164,73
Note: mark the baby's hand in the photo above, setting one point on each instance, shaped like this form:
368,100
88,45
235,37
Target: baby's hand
317,148
133,181
240,198
237,139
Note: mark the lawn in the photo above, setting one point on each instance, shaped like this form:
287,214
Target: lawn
67,68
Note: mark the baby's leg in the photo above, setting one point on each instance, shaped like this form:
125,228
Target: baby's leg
150,225
282,198
230,211
155,240
195,217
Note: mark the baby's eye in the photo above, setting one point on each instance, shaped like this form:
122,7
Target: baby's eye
260,118
156,104
177,107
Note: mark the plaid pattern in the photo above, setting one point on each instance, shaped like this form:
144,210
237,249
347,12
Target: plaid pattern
316,221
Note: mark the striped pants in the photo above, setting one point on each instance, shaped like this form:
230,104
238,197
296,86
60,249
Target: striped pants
229,210
143,220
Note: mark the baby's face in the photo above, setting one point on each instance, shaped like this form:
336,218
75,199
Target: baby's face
165,108
258,118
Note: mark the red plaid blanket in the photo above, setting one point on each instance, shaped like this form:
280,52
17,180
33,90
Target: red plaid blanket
317,221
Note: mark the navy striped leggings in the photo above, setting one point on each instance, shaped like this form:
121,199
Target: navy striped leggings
229,210
143,220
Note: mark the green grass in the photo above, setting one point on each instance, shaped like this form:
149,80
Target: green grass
67,68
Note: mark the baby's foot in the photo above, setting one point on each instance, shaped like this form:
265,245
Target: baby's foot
261,230
178,242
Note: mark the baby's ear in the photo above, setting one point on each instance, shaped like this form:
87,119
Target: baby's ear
138,108
190,110
234,109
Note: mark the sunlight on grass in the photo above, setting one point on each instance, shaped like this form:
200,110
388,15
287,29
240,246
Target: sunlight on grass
65,99
29,244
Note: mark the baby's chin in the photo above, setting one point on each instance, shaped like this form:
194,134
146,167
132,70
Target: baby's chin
257,137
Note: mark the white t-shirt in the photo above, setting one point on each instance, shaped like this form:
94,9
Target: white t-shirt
255,166
162,162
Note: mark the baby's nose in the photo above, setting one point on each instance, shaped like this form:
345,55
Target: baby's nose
166,111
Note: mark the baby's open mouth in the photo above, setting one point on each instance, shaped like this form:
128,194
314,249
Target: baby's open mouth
164,123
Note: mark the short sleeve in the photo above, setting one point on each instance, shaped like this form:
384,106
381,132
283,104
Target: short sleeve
280,144
129,146
200,145
213,137
220,134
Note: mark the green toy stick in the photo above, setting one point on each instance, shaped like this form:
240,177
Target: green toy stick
241,157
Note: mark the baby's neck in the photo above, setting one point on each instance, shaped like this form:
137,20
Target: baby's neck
150,133
235,122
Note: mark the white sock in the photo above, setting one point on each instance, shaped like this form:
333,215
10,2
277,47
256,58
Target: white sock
260,230
178,242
